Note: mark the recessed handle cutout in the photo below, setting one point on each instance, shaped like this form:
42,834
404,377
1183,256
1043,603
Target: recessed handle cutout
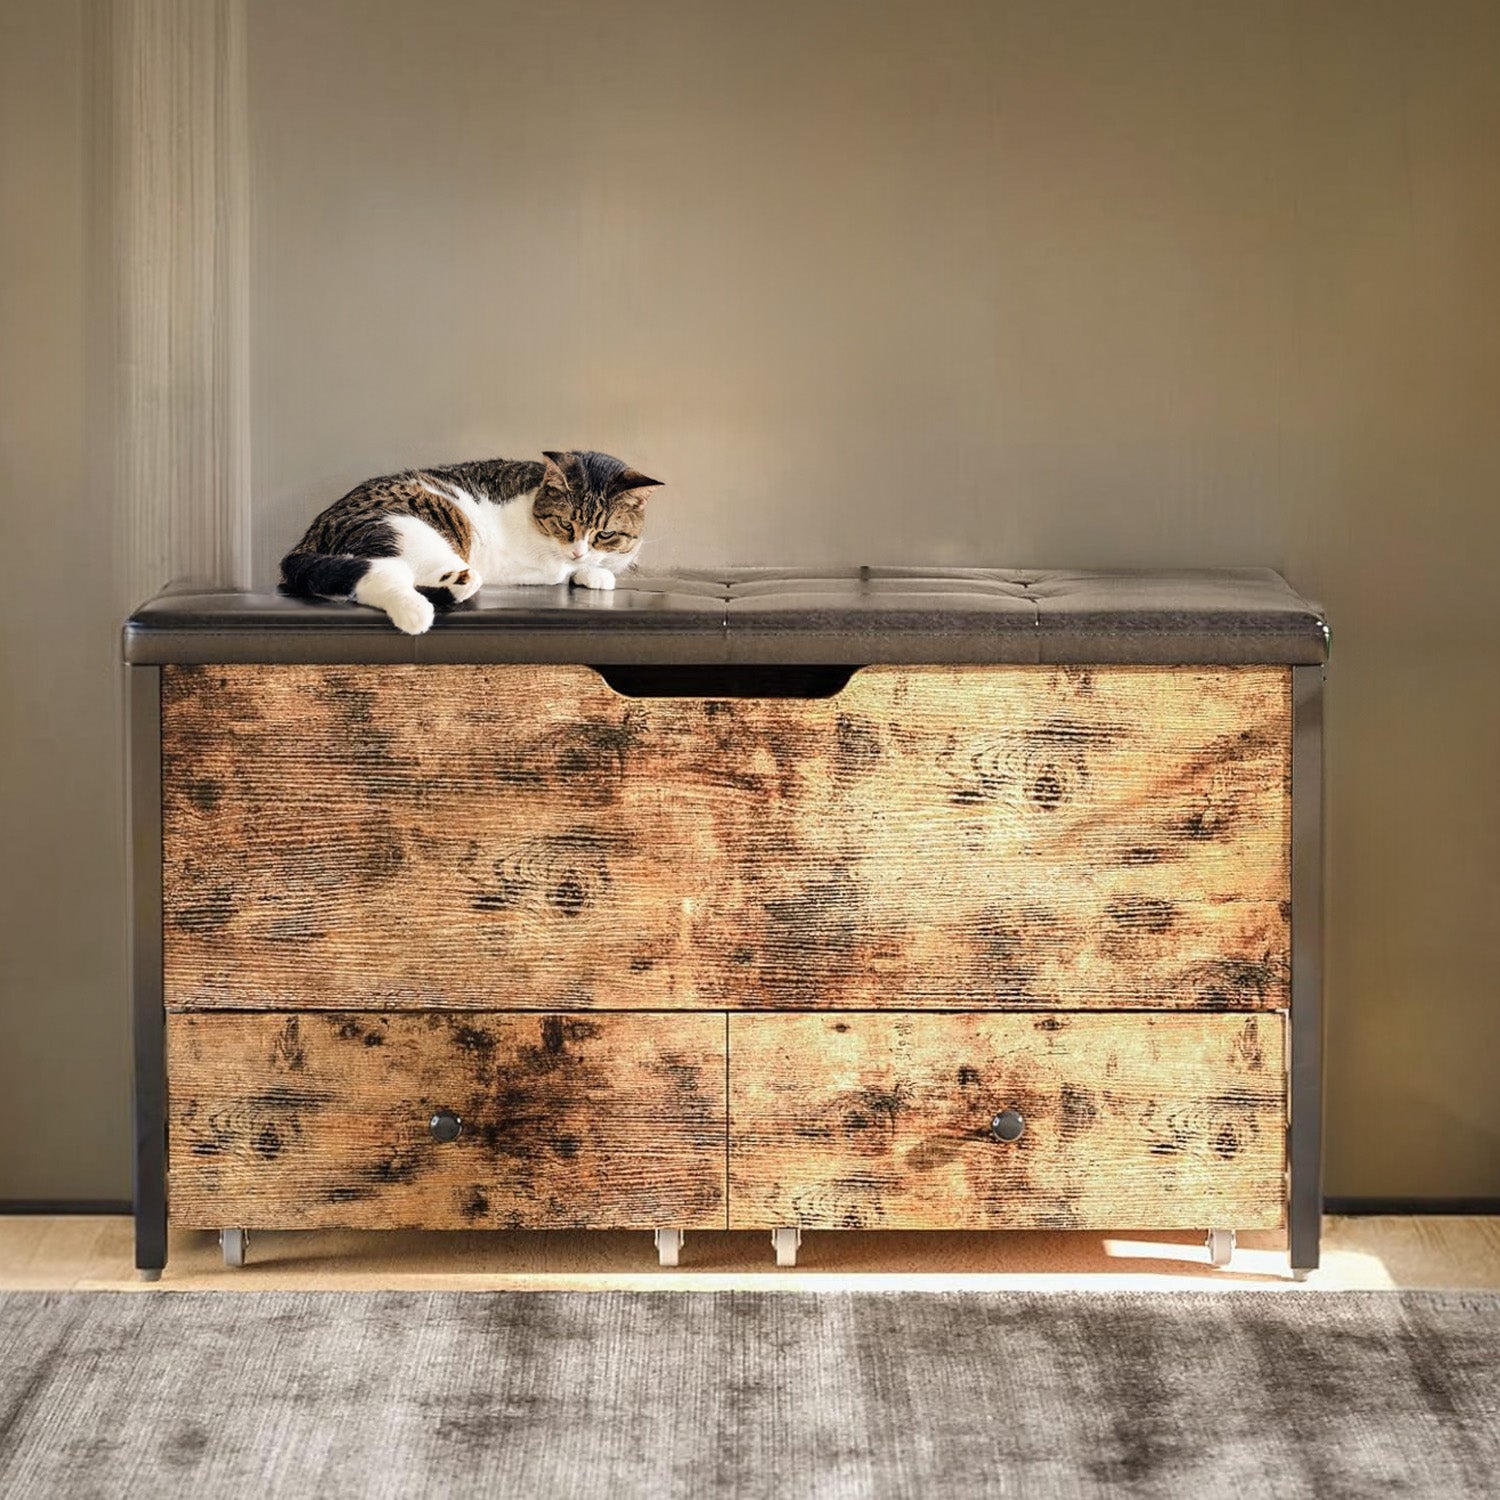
714,680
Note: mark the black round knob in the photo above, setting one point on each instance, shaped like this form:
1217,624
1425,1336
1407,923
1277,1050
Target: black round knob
1007,1125
445,1126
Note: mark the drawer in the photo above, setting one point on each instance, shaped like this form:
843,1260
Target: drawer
948,837
568,1121
885,1121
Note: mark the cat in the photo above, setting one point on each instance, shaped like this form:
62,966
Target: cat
408,542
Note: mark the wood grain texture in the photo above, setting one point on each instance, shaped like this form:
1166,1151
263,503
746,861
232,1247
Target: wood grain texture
947,837
570,1121
883,1121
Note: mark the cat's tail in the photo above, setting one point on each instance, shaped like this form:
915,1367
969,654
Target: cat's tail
316,575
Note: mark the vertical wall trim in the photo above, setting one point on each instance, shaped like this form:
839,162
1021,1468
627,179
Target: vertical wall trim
180,221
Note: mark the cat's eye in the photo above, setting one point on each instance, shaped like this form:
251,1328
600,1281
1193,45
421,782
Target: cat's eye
605,536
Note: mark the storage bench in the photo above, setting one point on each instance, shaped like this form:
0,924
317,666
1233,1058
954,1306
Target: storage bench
882,898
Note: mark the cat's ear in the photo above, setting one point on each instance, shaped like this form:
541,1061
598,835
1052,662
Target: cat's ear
552,472
628,480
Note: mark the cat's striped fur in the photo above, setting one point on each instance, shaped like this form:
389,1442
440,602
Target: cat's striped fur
408,542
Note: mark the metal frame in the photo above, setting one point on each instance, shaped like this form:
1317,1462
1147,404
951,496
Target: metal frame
1305,1126
149,1176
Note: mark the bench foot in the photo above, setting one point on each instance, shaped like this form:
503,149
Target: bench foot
1220,1243
234,1242
786,1242
668,1246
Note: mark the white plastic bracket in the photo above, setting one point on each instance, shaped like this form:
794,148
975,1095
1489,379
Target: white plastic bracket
786,1242
668,1246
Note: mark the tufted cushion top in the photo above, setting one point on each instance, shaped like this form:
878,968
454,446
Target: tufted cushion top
839,616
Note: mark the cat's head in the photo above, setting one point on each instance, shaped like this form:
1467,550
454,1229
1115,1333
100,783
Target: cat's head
593,506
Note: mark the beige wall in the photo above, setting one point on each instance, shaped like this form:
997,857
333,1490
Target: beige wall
1042,283
1045,283
64,1022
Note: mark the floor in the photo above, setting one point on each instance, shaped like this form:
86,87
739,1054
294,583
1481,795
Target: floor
86,1252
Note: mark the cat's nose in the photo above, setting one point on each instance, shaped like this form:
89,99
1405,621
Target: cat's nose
578,549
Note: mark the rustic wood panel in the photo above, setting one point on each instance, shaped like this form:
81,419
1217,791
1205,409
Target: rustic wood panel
946,837
882,1121
320,1119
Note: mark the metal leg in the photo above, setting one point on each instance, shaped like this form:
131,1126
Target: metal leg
1305,1055
1300,1273
149,1163
235,1243
668,1246
1220,1244
786,1242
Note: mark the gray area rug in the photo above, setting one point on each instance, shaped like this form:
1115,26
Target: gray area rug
749,1394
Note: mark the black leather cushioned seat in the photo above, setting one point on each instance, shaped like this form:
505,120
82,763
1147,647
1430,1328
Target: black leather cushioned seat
836,616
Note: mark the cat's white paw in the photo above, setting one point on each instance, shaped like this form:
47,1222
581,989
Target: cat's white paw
462,583
410,612
594,578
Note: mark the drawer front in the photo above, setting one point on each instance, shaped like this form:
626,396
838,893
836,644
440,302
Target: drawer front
947,837
887,1121
567,1121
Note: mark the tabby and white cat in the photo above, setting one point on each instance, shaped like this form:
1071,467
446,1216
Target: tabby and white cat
408,542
